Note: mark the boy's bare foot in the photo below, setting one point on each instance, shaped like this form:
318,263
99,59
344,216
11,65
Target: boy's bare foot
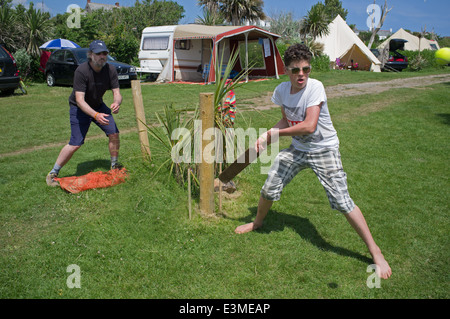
246,228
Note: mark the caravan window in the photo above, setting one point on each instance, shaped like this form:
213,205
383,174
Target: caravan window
255,54
155,43
183,44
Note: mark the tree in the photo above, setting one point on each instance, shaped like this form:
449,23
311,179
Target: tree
315,23
238,11
37,26
210,5
384,12
284,25
120,28
333,8
210,18
7,34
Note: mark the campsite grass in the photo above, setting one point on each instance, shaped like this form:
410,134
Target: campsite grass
135,240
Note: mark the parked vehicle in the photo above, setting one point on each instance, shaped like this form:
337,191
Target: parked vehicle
62,64
155,50
9,75
395,61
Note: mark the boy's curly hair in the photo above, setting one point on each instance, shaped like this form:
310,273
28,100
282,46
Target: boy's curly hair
297,52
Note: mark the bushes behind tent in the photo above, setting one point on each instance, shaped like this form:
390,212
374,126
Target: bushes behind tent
425,60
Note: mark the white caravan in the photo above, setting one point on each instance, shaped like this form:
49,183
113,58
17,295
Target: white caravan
155,50
189,52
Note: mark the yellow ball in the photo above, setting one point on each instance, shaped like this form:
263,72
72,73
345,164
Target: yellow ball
442,56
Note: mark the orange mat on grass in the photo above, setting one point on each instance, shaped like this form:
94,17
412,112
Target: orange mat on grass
76,184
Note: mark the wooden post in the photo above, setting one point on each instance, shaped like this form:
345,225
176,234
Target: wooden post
140,118
189,194
220,189
206,170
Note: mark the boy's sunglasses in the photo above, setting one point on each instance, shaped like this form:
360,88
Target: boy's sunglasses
305,69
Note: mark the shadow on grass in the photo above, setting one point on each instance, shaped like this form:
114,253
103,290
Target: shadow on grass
91,166
444,117
276,221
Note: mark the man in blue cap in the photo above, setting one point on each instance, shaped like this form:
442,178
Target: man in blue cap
91,80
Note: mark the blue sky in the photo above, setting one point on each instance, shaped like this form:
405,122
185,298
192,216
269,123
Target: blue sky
414,15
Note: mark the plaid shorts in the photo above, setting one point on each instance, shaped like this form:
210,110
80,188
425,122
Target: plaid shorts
326,165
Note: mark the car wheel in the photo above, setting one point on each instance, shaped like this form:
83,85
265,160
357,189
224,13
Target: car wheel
50,79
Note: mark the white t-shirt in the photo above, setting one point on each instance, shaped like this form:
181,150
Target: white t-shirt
295,106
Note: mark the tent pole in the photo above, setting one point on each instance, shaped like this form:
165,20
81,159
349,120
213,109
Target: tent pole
274,58
246,57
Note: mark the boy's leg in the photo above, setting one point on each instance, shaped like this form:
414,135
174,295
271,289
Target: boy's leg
328,168
288,164
263,208
358,222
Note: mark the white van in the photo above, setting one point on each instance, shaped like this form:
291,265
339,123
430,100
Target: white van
156,47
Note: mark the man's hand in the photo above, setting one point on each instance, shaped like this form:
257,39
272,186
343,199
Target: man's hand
115,108
102,118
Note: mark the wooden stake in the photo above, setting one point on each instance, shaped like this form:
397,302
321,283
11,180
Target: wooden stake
206,168
220,189
140,118
189,192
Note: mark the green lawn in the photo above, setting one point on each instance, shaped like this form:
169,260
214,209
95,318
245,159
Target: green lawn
135,240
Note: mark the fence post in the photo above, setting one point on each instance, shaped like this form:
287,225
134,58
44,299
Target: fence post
140,118
206,169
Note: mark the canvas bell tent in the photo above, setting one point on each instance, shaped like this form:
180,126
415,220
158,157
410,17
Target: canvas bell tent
189,52
343,44
414,43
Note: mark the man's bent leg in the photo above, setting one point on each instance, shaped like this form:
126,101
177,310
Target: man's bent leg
358,222
263,208
114,144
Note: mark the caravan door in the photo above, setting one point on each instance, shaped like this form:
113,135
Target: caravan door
156,49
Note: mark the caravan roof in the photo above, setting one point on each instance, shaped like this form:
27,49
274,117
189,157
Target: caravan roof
166,28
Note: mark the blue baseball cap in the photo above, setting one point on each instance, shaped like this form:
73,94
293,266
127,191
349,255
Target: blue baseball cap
98,46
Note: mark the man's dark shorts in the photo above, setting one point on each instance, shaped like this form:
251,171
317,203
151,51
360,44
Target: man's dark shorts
80,122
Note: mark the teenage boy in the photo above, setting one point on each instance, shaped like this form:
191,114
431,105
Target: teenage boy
315,145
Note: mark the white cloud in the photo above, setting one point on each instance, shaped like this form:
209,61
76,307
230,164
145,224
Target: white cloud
37,4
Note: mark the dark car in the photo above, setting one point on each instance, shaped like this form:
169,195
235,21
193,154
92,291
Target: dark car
9,75
395,61
62,64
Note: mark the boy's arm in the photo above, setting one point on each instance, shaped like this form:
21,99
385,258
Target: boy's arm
308,126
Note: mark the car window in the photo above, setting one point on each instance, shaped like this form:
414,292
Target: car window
3,53
69,55
58,56
81,56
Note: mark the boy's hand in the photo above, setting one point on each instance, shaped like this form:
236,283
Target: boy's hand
269,137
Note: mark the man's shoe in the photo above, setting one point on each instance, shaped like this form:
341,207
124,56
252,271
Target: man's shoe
51,180
116,166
